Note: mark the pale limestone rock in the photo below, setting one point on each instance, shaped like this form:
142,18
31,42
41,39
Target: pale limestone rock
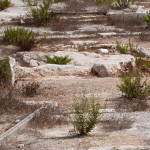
113,65
52,70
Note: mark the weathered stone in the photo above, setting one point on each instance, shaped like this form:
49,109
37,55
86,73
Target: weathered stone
144,51
113,65
52,69
81,63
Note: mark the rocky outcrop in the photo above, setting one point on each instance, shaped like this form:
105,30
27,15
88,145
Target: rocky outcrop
82,63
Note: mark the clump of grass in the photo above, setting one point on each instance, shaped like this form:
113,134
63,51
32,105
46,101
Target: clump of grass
24,38
122,48
5,4
146,18
5,72
58,60
30,89
132,86
148,64
98,1
85,115
40,12
122,4
49,116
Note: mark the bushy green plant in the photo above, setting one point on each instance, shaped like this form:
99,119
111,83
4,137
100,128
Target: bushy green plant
24,38
122,48
98,1
4,4
58,60
41,13
85,115
132,86
148,64
5,73
146,18
122,4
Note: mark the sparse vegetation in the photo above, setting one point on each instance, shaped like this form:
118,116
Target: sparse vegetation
85,115
40,12
30,89
146,18
148,64
132,86
4,4
122,4
58,60
20,36
5,73
122,48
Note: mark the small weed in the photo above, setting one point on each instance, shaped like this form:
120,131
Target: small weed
122,48
58,60
24,38
146,18
40,12
115,123
85,115
128,48
148,64
133,87
5,4
48,117
5,73
122,4
98,1
30,89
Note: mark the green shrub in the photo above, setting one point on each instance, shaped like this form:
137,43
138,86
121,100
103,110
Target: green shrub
5,73
133,86
4,4
122,48
85,115
122,4
41,13
146,18
148,64
58,60
24,38
98,1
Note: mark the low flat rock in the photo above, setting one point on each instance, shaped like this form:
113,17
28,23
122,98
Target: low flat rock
51,70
